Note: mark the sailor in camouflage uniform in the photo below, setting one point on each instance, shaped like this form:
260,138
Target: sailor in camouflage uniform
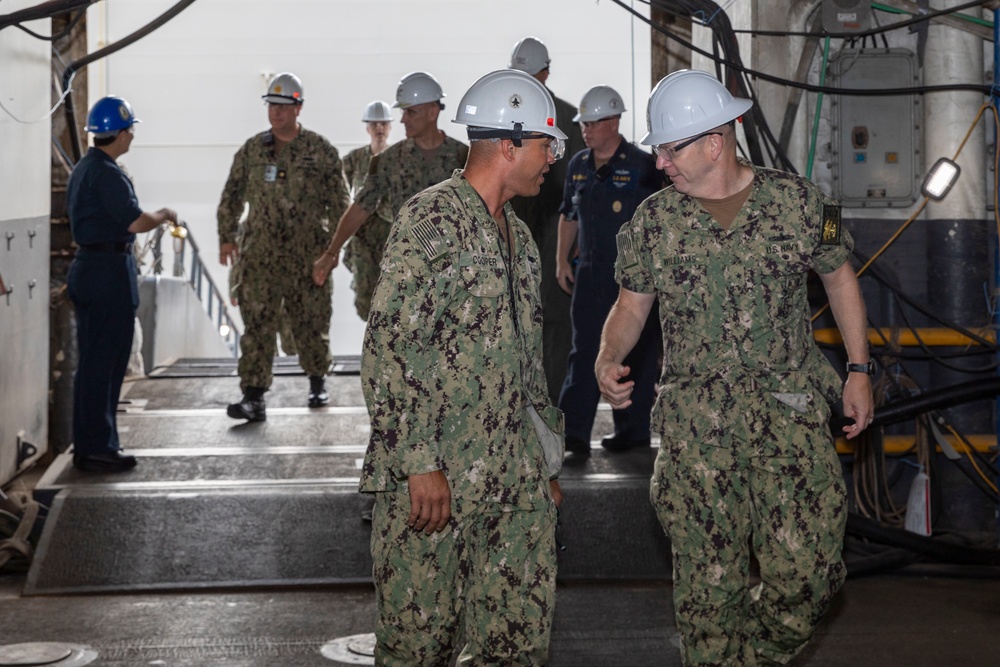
426,157
293,181
364,251
746,453
463,529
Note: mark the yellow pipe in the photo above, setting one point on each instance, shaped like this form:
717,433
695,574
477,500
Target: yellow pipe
899,444
930,336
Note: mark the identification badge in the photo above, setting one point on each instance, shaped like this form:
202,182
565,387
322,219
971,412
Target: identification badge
270,173
831,225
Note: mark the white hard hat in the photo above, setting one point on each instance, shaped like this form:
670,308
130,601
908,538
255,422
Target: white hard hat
599,102
529,55
686,103
508,104
417,88
285,88
376,111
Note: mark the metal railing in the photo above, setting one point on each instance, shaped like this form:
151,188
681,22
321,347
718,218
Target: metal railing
200,280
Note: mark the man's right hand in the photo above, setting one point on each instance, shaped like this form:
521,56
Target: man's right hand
564,276
228,253
430,501
610,380
322,267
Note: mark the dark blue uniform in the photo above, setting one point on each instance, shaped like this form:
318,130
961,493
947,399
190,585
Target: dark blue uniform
102,285
601,201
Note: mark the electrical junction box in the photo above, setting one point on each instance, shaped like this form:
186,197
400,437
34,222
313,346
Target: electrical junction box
876,151
846,16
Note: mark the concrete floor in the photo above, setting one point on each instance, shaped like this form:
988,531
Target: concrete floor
922,616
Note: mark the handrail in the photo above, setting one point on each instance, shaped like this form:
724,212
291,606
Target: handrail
201,281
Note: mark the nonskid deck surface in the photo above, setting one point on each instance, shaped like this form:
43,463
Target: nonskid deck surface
244,544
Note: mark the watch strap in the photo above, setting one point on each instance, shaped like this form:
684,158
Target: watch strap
867,369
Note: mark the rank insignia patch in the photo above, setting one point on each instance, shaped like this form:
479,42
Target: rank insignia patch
831,225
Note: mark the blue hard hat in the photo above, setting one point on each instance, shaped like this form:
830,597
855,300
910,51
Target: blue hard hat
109,115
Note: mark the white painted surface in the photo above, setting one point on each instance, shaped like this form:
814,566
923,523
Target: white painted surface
25,129
196,82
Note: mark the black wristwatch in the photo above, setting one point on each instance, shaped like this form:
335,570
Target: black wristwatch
868,369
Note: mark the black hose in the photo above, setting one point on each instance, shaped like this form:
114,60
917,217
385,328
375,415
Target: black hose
44,10
72,68
931,548
909,408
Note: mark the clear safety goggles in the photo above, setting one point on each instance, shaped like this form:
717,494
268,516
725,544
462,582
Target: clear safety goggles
557,149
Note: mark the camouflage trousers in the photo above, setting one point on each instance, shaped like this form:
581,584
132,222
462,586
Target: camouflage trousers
362,257
713,502
488,580
273,298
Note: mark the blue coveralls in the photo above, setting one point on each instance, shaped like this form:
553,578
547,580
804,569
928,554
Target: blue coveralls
601,201
102,286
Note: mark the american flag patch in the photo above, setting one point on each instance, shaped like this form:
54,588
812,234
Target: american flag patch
627,256
429,238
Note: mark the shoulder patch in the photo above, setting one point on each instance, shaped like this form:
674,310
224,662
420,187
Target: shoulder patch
831,225
627,255
429,237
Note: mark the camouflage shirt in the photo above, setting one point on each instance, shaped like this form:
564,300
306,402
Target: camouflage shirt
293,195
452,353
401,171
733,303
356,164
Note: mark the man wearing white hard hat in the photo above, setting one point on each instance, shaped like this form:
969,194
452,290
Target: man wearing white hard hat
363,252
291,182
746,462
465,444
541,214
427,156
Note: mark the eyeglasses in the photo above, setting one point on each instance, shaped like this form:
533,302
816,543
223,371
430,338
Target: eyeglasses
670,152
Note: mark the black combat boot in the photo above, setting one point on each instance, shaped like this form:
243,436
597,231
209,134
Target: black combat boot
317,391
251,407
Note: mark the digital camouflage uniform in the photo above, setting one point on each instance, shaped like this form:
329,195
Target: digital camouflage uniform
293,196
401,171
451,359
285,338
363,252
746,450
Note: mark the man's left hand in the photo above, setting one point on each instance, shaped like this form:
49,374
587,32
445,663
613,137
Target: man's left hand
858,403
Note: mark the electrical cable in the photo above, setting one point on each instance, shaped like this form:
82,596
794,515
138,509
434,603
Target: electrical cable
73,67
764,76
877,274
45,10
62,33
819,107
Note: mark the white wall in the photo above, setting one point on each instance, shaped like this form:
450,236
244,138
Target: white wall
196,82
25,129
25,92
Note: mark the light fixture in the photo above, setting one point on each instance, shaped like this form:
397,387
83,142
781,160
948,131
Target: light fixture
224,330
940,178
